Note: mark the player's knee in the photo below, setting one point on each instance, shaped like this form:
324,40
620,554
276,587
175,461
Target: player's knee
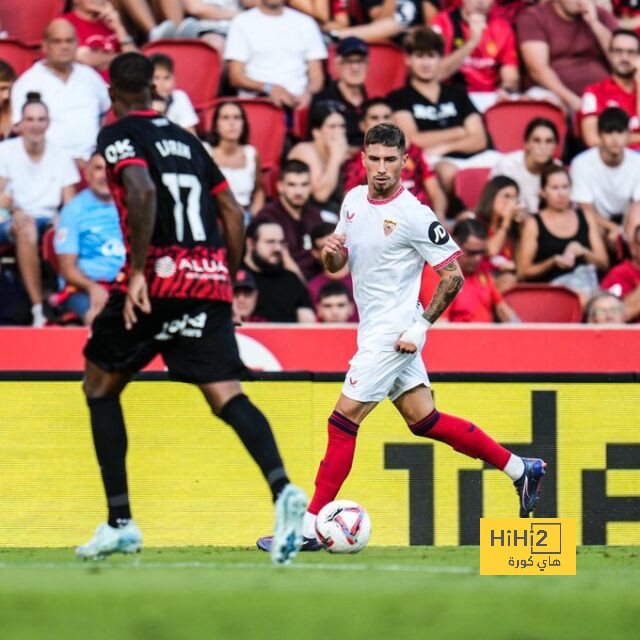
422,427
237,408
26,230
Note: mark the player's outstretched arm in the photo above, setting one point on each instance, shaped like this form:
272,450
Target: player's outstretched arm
334,254
233,223
451,281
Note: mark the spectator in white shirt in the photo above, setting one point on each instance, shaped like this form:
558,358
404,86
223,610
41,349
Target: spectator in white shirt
606,178
276,51
35,179
75,94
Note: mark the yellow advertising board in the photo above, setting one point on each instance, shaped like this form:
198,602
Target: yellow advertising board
188,467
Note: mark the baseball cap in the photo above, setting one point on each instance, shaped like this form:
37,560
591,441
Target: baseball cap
244,280
352,45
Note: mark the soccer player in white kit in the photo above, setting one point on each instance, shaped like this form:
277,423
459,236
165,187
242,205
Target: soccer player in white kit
386,235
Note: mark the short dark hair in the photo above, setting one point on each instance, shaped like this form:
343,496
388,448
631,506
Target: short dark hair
423,40
33,97
613,119
625,32
541,122
387,134
321,231
293,166
163,61
466,228
370,103
131,72
214,136
333,288
253,229
7,72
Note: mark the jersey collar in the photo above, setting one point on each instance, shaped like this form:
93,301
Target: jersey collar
389,199
143,112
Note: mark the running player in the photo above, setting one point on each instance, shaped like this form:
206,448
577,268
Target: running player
386,235
173,297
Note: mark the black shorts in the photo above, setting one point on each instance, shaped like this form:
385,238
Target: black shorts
195,338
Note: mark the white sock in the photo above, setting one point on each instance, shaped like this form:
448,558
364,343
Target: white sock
514,468
309,525
37,315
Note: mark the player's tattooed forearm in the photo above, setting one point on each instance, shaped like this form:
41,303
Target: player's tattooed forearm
452,266
445,292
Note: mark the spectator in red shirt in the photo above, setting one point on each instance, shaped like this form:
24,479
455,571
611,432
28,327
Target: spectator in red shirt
624,279
479,299
480,52
417,176
293,211
563,45
618,90
101,34
334,303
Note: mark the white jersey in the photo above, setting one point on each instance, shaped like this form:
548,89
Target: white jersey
388,242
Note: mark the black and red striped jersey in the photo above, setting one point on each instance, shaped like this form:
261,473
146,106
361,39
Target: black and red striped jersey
186,257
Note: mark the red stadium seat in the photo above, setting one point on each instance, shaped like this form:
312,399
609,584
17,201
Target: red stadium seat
387,68
197,67
506,122
468,185
17,54
544,303
266,126
27,19
300,126
48,250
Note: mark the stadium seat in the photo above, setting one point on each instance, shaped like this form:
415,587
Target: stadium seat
544,303
300,125
387,68
27,19
506,122
468,185
48,250
266,126
197,67
17,54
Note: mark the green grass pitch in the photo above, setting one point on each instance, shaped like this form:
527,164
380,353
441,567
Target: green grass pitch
430,593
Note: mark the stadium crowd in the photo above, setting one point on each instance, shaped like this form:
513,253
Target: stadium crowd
521,119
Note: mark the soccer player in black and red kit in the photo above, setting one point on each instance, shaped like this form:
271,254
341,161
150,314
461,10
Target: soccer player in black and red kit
172,298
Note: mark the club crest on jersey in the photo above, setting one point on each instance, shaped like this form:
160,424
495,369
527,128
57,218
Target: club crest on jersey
388,227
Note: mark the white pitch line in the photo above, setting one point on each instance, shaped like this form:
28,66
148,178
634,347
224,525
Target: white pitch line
395,568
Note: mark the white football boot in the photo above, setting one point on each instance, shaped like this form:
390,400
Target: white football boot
287,530
108,540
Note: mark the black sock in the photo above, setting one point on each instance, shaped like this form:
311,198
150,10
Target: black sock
110,442
256,435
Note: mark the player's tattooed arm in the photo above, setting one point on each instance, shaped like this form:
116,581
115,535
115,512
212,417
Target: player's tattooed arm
141,212
233,223
451,281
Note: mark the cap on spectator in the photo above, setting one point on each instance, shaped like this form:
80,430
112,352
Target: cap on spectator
244,280
352,45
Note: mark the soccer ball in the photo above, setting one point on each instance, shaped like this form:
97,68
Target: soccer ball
343,526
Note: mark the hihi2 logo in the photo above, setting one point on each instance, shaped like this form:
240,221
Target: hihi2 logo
512,546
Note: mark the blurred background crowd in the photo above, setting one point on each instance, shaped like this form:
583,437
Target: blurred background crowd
521,120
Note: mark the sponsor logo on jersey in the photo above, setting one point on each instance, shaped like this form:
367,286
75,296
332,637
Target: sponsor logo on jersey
195,268
438,234
350,216
187,326
165,267
119,150
388,227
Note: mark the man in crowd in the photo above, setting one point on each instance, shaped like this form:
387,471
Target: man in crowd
281,295
295,215
334,303
89,245
606,178
438,118
618,90
352,63
479,299
36,177
604,308
75,93
563,45
277,52
480,51
245,298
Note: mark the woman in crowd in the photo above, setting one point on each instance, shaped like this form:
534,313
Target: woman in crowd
7,78
500,211
237,159
325,154
562,244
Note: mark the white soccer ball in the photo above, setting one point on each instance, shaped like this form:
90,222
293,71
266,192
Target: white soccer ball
343,526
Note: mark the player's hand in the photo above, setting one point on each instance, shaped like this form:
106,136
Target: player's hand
98,297
137,296
404,347
334,244
415,336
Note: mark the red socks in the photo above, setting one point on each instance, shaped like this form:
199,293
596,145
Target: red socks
463,436
335,466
